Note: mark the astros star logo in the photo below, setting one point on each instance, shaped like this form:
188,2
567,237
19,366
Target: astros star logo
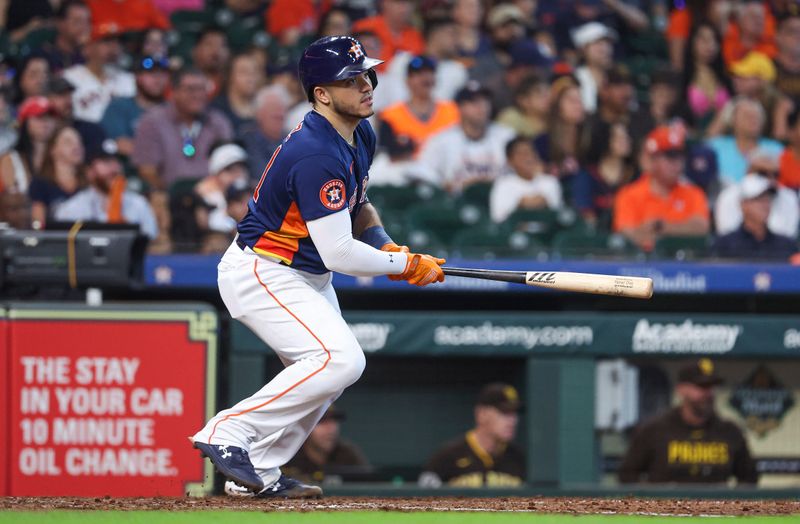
334,194
356,51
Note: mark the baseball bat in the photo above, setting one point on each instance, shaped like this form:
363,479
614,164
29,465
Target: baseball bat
619,286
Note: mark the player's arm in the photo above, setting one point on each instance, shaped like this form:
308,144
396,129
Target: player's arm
368,228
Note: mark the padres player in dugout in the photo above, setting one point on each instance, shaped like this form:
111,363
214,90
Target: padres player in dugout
485,456
309,215
690,443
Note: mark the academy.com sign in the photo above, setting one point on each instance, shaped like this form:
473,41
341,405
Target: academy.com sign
685,337
488,334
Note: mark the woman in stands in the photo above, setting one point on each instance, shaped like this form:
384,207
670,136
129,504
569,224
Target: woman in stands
61,175
21,164
706,87
561,146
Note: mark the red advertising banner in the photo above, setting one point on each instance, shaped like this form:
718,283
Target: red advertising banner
102,402
5,388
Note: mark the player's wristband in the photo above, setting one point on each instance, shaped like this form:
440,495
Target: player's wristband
375,236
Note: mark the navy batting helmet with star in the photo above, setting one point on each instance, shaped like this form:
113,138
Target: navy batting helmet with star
334,58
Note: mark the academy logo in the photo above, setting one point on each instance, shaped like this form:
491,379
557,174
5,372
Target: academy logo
332,195
686,337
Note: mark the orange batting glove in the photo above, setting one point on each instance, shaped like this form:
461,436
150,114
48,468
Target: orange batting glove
391,247
422,270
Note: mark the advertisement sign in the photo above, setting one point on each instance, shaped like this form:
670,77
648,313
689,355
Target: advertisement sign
102,402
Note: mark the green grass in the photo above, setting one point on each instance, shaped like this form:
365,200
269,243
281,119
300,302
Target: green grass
371,517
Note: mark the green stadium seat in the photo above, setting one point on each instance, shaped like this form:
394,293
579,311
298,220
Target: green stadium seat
442,220
182,186
477,194
587,243
490,242
541,224
681,247
399,198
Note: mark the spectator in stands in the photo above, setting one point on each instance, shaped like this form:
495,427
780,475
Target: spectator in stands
238,96
506,28
21,164
706,86
167,7
292,22
272,104
596,45
525,186
227,168
173,140
73,30
790,159
31,78
59,94
22,18
396,165
617,15
326,456
473,151
527,59
154,43
528,116
440,47
660,203
754,238
126,15
561,146
471,41
394,29
689,443
107,200
210,54
123,113
609,166
661,106
753,77
788,59
61,175
746,140
683,19
784,217
486,455
98,80
421,116
334,22
753,29
616,98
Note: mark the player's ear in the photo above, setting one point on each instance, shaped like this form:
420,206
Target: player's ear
322,95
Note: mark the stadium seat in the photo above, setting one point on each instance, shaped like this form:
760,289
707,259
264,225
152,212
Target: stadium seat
389,199
588,243
442,220
681,247
538,223
490,242
477,194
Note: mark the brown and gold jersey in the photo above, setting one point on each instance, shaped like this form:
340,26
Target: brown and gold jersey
463,462
666,449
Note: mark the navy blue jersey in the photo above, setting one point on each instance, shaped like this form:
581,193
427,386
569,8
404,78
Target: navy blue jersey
313,173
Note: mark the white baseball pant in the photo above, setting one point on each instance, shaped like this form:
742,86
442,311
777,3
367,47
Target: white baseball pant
297,314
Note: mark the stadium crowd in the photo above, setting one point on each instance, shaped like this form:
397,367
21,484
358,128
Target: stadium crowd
632,126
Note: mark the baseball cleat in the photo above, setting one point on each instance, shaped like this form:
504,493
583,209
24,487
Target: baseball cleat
284,487
233,463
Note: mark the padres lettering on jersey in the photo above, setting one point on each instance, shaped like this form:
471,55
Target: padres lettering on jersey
464,463
313,173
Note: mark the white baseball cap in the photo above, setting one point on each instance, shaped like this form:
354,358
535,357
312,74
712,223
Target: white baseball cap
224,157
592,32
755,185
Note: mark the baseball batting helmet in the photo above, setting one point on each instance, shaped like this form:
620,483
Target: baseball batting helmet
334,58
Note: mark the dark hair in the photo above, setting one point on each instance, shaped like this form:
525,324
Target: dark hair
556,151
24,145
66,5
226,82
528,84
516,142
434,23
48,171
717,66
210,30
19,96
794,118
179,74
599,144
327,16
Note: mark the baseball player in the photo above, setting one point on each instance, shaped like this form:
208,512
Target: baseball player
309,215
